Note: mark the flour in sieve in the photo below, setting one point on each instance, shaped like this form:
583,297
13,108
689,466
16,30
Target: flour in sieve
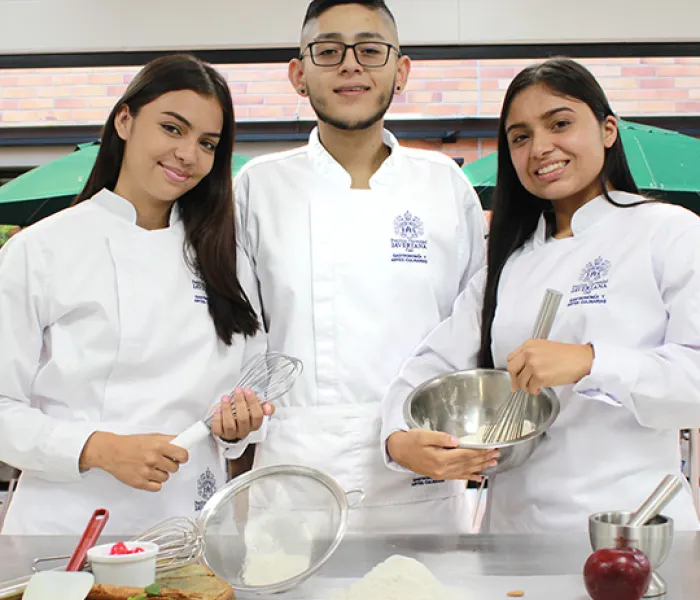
273,567
278,547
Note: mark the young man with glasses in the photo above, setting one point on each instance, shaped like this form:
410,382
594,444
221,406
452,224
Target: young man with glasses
360,248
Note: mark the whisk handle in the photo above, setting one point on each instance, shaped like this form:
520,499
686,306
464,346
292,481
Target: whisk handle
545,317
14,588
192,435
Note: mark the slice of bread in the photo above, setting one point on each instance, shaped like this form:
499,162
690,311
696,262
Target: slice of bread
193,582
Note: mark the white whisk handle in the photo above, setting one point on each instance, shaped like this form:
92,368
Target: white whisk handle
192,435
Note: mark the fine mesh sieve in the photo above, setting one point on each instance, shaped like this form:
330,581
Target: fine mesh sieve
270,529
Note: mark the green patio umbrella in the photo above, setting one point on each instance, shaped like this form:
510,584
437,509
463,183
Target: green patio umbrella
52,186
665,165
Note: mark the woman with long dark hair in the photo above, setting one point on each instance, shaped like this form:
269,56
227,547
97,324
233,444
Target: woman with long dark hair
124,319
623,355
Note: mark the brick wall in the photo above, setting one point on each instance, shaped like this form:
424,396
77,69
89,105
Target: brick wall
635,86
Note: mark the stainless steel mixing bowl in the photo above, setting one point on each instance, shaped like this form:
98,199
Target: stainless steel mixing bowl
459,403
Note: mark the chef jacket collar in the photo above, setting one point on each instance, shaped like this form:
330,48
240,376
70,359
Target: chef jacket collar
587,216
326,164
122,208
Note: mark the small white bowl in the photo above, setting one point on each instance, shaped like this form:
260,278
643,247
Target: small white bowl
135,570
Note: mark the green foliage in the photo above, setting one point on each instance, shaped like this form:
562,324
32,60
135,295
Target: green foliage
4,233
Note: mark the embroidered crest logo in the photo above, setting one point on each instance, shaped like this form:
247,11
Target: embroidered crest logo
595,270
407,226
409,245
594,282
206,488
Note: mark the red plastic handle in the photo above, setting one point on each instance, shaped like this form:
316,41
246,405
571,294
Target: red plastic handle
92,532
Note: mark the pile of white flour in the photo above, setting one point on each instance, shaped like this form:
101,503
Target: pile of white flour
397,578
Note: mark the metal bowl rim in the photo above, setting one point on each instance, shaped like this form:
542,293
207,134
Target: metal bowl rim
547,392
242,481
595,519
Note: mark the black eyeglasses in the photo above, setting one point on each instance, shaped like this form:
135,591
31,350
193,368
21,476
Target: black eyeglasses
367,54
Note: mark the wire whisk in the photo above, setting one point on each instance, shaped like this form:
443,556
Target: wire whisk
510,419
270,376
179,541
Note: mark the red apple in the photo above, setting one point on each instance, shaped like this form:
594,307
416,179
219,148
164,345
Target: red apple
617,574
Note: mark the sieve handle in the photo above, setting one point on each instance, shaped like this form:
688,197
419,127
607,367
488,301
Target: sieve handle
192,435
359,492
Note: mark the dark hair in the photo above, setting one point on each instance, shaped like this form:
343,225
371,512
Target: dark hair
318,7
207,209
516,212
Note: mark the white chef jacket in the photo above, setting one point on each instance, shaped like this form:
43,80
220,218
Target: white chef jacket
104,327
631,283
350,281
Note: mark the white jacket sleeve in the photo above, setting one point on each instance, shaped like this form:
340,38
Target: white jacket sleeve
234,450
452,346
659,385
473,247
30,440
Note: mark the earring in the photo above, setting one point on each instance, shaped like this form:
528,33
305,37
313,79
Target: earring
302,91
398,88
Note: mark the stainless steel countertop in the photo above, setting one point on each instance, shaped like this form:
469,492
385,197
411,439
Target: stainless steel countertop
452,559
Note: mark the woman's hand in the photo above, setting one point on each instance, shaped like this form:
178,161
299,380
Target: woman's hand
541,363
249,413
436,455
144,462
